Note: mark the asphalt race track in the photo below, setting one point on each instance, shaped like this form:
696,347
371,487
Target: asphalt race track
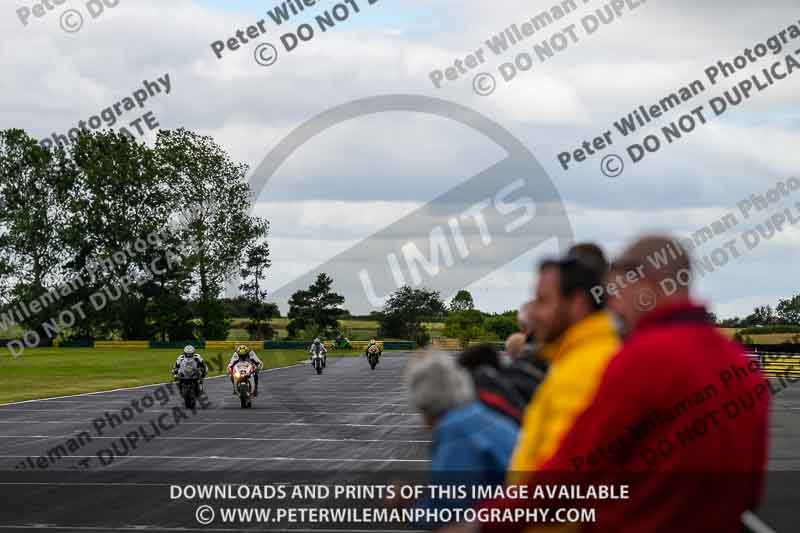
348,425
349,419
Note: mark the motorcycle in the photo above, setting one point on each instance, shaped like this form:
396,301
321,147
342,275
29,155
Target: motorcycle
242,373
188,378
373,355
318,361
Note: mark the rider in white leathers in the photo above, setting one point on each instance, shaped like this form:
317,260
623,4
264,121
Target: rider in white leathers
189,352
317,345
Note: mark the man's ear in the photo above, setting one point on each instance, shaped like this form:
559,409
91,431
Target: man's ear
579,306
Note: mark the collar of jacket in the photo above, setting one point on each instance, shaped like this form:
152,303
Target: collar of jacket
598,324
684,311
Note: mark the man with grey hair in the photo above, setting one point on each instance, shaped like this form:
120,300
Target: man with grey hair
471,444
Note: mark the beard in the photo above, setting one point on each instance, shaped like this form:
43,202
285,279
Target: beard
561,323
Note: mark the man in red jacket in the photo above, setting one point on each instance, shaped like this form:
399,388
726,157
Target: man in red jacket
680,415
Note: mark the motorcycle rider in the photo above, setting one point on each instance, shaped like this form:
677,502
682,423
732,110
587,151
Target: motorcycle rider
318,347
372,342
189,352
243,353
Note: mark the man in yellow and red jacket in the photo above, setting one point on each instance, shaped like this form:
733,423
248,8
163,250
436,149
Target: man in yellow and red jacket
679,415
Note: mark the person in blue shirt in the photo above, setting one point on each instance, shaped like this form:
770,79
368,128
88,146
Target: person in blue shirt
471,443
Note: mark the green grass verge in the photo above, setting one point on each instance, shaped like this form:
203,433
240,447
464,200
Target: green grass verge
44,373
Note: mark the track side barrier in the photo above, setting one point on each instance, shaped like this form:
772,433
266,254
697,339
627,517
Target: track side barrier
778,364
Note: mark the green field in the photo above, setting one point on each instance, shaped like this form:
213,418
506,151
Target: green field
43,373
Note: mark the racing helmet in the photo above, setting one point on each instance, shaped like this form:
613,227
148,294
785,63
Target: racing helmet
371,342
242,351
317,341
189,350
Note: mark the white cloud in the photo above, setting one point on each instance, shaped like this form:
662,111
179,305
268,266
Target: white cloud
376,169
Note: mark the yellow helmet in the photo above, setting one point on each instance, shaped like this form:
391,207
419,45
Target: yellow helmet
242,350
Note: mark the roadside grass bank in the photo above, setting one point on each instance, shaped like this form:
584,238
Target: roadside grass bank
48,372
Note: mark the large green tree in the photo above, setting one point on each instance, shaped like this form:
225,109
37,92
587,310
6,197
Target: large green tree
462,301
32,218
406,310
119,197
316,309
789,310
214,217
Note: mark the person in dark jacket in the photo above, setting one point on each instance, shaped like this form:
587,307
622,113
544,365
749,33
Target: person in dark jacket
524,372
493,386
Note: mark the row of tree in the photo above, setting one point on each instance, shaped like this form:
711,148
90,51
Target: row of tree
316,311
70,217
786,313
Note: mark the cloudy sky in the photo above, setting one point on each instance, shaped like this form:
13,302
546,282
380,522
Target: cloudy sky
350,180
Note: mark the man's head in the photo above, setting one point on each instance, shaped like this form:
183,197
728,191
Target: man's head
515,344
563,294
436,384
652,272
480,355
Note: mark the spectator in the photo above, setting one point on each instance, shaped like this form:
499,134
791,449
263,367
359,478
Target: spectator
492,386
579,340
680,406
524,320
531,351
515,343
526,370
472,444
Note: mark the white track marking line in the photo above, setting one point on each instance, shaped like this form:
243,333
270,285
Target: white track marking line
267,439
223,458
11,408
223,423
313,413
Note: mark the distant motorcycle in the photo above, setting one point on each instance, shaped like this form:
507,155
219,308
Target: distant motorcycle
188,378
242,373
317,360
373,355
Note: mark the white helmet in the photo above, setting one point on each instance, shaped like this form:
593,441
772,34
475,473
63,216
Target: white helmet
188,350
316,341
